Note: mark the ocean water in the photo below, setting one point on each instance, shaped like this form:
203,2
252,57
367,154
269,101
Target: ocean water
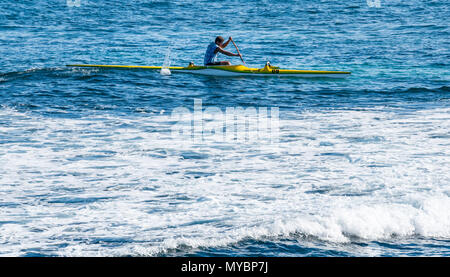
89,165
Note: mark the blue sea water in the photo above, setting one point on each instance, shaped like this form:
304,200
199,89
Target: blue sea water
88,166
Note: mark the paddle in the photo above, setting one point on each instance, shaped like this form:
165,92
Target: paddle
239,53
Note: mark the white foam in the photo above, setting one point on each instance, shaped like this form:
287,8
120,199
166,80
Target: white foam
366,174
165,71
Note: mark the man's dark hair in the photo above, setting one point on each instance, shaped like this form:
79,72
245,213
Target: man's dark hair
219,40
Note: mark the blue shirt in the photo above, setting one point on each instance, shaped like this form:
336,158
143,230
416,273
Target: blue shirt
210,56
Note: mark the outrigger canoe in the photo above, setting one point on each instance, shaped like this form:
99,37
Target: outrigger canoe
231,70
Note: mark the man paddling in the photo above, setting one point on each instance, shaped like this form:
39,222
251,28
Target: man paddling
217,47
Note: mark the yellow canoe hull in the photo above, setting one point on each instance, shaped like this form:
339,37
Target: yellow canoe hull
231,70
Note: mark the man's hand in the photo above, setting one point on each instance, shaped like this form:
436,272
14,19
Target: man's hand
230,38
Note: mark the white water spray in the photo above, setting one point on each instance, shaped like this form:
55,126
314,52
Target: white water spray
165,67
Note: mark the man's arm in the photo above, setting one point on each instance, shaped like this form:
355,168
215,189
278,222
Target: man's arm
226,43
226,52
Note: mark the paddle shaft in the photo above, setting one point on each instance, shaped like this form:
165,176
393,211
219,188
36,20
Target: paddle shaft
237,49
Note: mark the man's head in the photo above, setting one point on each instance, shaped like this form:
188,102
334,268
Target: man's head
219,40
